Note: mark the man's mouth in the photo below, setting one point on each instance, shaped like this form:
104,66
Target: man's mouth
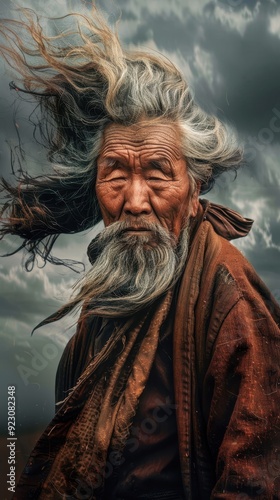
132,229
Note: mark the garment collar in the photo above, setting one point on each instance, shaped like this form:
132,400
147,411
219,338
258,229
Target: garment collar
226,222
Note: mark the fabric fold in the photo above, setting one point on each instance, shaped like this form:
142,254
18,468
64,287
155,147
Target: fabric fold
226,222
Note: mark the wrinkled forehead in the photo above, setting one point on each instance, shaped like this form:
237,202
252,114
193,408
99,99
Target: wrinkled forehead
145,137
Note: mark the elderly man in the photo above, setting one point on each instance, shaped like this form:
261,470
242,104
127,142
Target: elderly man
170,387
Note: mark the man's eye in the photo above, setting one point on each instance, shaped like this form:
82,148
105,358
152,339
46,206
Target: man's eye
157,179
120,178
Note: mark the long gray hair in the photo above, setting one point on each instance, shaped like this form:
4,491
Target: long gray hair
83,80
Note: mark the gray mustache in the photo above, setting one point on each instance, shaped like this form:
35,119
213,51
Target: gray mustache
117,230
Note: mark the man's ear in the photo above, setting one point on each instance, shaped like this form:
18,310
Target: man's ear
195,200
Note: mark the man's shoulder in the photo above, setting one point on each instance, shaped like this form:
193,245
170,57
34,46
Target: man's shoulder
227,285
236,270
226,263
228,276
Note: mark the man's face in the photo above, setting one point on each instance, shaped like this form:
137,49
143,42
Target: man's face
142,176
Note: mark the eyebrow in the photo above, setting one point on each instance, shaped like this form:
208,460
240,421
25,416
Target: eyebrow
107,161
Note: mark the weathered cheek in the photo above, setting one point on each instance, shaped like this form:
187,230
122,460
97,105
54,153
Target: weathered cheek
109,202
167,207
174,207
173,201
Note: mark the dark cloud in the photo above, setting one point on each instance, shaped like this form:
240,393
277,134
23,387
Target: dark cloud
168,31
236,5
248,64
30,366
264,259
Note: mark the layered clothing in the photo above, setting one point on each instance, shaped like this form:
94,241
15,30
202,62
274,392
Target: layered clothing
226,369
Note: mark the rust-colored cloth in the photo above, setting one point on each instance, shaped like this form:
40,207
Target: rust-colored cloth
227,222
226,358
150,463
72,456
227,375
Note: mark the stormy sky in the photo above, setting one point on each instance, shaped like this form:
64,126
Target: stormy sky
229,50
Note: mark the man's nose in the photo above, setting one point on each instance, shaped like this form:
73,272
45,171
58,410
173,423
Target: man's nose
137,200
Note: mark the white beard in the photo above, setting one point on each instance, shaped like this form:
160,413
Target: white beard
130,271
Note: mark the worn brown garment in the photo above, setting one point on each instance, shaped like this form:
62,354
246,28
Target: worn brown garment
150,465
226,371
71,457
227,375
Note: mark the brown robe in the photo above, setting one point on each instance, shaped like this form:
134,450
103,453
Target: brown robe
227,375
